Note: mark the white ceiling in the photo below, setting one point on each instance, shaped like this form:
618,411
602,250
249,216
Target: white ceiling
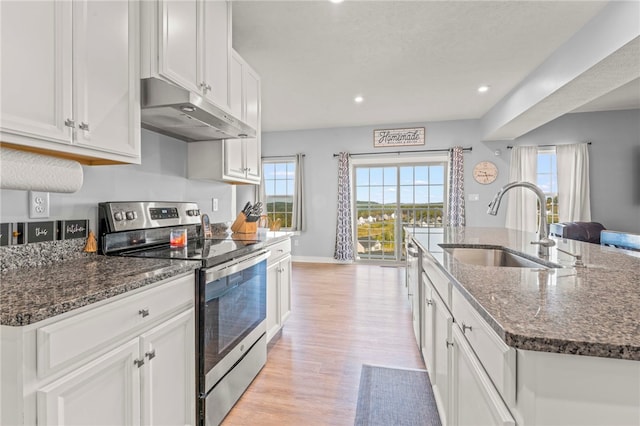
412,61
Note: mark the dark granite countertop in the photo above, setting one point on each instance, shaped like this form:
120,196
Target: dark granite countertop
41,280
592,311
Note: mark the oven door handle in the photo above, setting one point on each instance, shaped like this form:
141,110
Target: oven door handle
223,270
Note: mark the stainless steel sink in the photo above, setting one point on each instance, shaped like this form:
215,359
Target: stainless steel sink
496,256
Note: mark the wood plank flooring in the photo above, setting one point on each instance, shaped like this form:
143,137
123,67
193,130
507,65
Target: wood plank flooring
343,316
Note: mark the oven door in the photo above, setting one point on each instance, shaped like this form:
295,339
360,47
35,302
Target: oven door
232,313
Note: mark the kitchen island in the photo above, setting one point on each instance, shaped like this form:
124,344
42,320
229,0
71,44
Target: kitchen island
549,345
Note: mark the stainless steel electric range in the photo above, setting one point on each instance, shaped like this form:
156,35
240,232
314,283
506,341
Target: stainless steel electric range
230,292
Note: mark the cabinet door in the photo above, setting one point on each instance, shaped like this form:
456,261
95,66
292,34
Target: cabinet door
105,391
178,48
168,378
234,164
253,160
474,399
36,70
236,95
251,82
105,58
215,50
285,289
273,298
441,370
428,328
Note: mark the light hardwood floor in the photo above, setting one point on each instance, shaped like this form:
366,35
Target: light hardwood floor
343,316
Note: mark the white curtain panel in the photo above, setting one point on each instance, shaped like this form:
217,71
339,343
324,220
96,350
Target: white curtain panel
574,200
298,197
521,207
455,209
344,234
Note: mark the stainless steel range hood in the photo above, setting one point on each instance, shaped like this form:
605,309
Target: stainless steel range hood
179,113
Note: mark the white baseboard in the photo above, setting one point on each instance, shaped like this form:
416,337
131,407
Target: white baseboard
317,259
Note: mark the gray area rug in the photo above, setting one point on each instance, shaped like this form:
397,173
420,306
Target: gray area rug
395,397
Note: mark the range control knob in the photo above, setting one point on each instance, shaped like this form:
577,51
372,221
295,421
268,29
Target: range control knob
194,212
118,216
131,215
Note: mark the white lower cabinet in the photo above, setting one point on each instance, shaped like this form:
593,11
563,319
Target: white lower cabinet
129,361
278,287
474,399
168,375
104,391
463,391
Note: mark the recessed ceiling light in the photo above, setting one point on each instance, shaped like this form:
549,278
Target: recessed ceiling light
336,1
483,89
358,99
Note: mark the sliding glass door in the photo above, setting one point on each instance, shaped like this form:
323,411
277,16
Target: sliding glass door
390,197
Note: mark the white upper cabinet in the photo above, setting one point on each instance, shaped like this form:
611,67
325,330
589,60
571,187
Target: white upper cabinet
106,105
70,79
244,91
216,48
187,43
36,70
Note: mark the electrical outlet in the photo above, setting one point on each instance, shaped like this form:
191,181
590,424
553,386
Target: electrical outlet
38,204
214,204
295,242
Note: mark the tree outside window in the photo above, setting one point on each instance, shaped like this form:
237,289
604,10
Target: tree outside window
548,181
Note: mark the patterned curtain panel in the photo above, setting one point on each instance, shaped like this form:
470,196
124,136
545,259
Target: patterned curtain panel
344,226
455,210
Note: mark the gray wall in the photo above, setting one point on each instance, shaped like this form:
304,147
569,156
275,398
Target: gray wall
615,174
321,172
160,177
614,161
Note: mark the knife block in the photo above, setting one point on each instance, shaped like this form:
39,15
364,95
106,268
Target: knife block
241,226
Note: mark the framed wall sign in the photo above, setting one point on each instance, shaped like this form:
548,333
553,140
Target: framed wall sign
384,138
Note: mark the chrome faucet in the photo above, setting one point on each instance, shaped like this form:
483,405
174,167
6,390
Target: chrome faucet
544,242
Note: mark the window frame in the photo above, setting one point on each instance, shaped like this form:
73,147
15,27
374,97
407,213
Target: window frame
263,192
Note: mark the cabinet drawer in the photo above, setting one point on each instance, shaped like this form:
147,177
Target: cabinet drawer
498,359
279,250
82,336
439,280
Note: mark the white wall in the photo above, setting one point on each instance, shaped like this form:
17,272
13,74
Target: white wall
615,167
160,177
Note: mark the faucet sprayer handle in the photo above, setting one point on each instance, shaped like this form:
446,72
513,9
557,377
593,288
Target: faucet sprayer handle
578,257
545,242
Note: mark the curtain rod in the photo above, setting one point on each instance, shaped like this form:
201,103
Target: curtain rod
542,146
403,152
282,156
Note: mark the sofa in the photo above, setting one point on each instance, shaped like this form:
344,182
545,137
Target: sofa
581,231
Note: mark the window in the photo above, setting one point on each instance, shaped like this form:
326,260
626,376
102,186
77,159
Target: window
547,180
279,184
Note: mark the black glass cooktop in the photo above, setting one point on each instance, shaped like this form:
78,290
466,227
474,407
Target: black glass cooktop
209,252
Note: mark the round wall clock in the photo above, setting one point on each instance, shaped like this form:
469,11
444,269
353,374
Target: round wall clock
485,172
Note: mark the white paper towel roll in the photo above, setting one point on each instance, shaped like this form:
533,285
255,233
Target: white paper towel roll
36,172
